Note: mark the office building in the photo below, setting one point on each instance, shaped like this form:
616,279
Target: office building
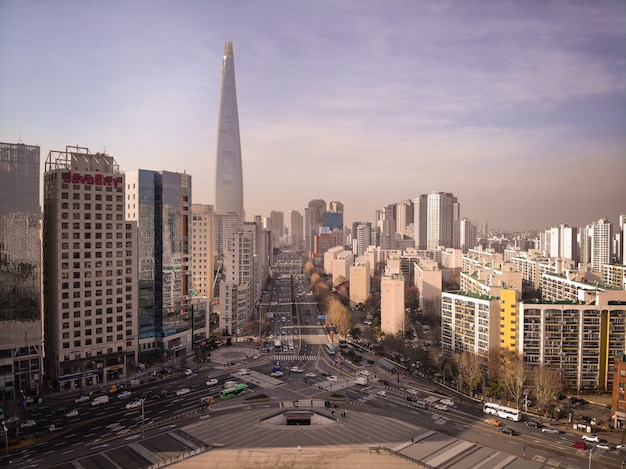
295,229
160,204
360,281
435,218
90,271
467,236
229,172
21,354
202,250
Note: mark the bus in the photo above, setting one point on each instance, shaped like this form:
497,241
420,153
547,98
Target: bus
502,411
278,347
238,390
330,349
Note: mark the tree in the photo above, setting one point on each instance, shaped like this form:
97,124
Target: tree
514,375
309,269
337,314
546,384
471,372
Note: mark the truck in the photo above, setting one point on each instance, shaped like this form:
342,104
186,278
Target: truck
100,400
361,380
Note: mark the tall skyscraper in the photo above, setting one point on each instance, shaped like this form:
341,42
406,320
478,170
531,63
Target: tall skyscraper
90,271
160,203
601,235
229,173
435,217
296,227
20,270
313,221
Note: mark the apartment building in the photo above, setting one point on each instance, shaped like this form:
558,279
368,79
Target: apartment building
202,250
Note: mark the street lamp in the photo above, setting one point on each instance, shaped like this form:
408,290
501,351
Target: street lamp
6,439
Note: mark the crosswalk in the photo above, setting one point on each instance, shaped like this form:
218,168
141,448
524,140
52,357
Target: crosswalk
292,357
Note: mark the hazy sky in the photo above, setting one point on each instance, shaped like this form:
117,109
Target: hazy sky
517,107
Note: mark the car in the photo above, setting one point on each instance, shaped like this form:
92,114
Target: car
593,438
295,369
28,423
13,419
124,395
509,431
188,372
243,372
411,391
533,423
440,406
72,413
277,374
448,402
212,382
82,399
604,445
382,393
62,410
310,375
493,422
162,393
550,430
134,404
579,445
332,378
182,391
364,373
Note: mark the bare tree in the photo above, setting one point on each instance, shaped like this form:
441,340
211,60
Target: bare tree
337,314
546,384
514,375
471,371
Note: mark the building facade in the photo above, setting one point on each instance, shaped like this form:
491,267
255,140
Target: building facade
202,250
90,271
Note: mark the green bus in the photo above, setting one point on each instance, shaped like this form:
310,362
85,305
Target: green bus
233,392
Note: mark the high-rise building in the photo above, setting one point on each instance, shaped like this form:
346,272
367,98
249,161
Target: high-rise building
296,228
392,315
277,227
90,271
313,221
467,236
564,242
160,203
404,217
363,239
229,172
20,271
601,241
436,215
202,250
621,258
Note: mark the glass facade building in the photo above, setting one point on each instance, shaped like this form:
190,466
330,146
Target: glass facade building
20,270
160,202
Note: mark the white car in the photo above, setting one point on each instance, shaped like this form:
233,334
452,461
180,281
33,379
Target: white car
447,402
81,399
364,373
411,391
124,395
72,413
134,404
13,419
382,393
183,391
243,372
332,378
277,374
440,406
28,423
550,430
295,369
212,382
310,375
593,438
188,372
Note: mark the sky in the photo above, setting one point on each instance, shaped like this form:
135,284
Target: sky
516,107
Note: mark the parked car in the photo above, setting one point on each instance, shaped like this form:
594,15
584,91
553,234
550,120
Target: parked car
183,391
277,374
212,382
82,399
579,445
72,413
593,438
295,369
124,395
550,430
28,423
310,375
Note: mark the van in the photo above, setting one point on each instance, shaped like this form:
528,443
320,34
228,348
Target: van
421,404
100,400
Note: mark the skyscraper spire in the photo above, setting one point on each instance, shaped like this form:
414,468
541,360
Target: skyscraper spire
228,174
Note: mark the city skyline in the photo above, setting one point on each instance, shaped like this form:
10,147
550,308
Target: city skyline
515,108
